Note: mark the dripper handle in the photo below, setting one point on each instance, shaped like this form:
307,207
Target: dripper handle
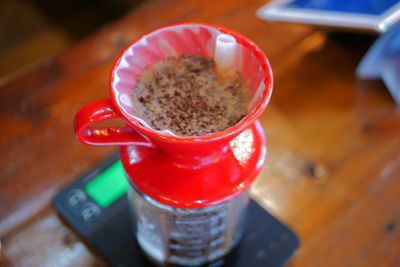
104,136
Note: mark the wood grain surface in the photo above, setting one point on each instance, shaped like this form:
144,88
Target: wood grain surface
333,164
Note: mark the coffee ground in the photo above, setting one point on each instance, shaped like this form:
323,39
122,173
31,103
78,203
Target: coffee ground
187,96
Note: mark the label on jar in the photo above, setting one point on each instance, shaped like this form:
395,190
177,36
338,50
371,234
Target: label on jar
198,237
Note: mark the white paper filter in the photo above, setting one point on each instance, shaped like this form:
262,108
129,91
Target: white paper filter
185,40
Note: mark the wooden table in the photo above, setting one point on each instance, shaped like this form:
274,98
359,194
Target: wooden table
333,166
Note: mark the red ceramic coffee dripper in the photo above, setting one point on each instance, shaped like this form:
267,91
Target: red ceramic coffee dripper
184,172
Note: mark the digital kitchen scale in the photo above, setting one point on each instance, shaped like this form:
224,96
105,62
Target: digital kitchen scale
96,206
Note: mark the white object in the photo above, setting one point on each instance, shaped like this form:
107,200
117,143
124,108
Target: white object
225,51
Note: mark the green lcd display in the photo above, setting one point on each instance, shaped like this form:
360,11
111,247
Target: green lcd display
108,186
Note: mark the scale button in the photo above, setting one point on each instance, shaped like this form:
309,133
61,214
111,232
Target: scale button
76,197
90,211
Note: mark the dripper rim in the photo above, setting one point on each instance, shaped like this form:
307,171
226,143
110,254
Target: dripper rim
231,131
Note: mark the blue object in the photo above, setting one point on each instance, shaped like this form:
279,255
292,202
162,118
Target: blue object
372,7
382,61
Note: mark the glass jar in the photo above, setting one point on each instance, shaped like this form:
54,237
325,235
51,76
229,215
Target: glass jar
191,237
